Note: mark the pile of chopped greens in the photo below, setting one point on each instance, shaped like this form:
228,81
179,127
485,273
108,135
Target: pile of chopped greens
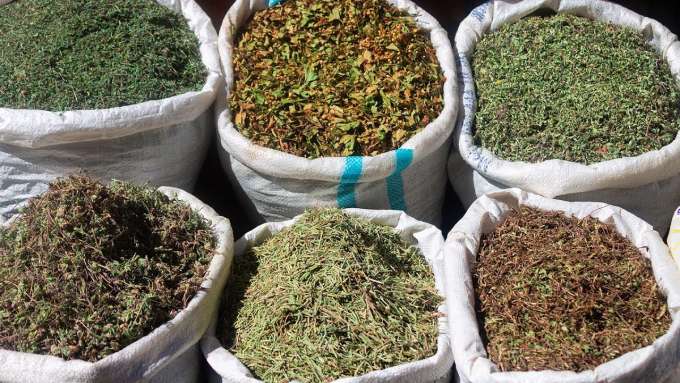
93,54
570,88
330,296
561,293
334,78
88,269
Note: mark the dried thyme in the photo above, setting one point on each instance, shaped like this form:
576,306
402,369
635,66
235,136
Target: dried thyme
566,87
562,293
333,78
88,269
331,296
90,54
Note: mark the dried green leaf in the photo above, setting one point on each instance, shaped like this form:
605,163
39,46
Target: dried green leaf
330,296
566,87
94,54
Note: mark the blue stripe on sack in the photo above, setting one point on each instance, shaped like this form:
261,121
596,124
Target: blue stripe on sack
273,3
348,181
395,183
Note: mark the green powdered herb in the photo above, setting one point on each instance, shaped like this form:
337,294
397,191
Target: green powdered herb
566,87
331,296
334,78
562,293
88,269
89,54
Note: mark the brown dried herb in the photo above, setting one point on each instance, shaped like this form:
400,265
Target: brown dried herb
87,269
562,293
333,78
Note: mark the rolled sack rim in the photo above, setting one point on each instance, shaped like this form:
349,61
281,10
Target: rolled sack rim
426,237
489,211
146,356
625,172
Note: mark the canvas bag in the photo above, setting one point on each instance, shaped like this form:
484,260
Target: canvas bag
645,185
169,354
279,186
226,368
163,142
657,363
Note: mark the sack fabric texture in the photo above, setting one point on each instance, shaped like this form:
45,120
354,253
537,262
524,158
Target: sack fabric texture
226,368
646,185
278,186
657,363
163,142
169,354
674,235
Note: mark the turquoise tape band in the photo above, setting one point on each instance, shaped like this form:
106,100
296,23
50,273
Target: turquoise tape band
395,182
348,181
273,3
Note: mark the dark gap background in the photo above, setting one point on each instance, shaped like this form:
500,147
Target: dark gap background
213,187
451,12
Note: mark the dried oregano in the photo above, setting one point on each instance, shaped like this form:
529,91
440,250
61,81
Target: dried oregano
332,78
331,296
566,87
87,269
90,54
561,293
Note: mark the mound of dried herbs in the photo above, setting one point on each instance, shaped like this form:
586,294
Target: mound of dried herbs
89,54
87,269
330,296
570,88
561,293
334,78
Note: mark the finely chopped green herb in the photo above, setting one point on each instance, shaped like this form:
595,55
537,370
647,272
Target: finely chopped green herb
561,293
89,54
331,296
334,77
566,87
88,269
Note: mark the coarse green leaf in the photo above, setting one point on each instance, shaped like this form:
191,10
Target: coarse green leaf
307,70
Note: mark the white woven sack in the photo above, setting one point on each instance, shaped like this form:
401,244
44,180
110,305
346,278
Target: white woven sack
226,368
280,185
657,363
646,185
163,142
169,354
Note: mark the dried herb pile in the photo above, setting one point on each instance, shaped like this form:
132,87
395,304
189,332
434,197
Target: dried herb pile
555,292
89,54
570,88
88,269
334,78
331,296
